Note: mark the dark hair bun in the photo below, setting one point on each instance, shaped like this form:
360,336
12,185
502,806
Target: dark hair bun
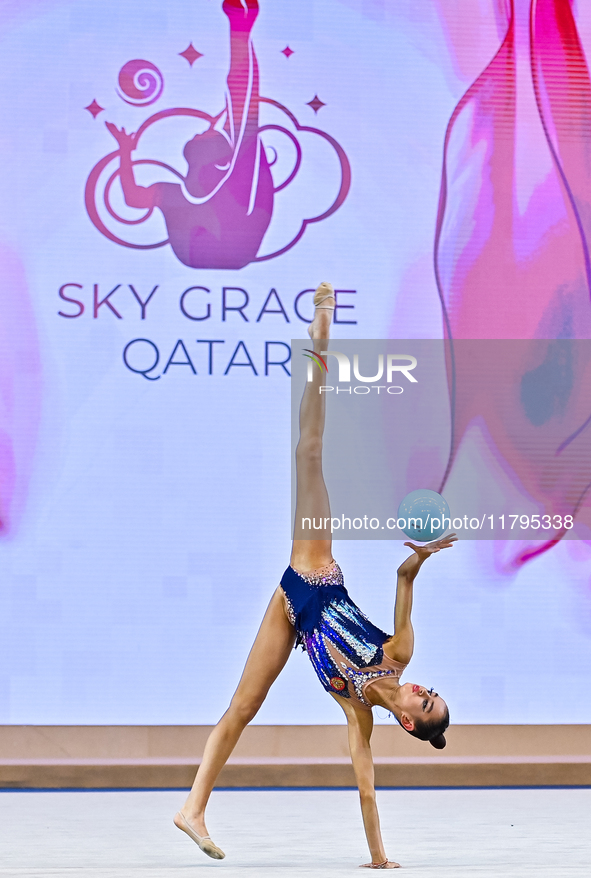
438,742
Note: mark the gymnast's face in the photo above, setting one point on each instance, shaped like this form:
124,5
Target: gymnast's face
415,702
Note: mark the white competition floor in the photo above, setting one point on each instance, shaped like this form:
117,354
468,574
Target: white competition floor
541,832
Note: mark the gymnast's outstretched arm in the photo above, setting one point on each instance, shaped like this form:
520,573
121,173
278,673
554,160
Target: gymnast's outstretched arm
359,729
400,647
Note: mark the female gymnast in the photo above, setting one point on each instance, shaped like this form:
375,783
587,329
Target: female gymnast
356,662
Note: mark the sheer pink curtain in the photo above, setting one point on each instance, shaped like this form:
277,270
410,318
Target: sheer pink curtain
512,262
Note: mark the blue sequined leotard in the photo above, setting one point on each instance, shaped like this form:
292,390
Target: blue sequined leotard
345,648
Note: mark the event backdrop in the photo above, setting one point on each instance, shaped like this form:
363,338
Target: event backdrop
177,177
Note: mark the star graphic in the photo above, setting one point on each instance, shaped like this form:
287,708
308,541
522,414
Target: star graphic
316,104
94,109
191,54
287,52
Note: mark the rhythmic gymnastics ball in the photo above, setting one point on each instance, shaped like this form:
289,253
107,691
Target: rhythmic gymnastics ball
425,515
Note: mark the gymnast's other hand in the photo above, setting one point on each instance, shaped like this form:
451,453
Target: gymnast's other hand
389,864
126,141
430,548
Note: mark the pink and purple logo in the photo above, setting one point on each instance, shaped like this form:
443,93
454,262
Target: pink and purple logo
218,212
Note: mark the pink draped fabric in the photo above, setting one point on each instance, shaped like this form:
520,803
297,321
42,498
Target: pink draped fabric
20,365
20,389
512,262
563,93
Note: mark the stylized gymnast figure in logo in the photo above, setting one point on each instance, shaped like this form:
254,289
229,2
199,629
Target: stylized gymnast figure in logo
217,215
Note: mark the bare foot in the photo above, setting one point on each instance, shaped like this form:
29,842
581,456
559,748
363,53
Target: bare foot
387,865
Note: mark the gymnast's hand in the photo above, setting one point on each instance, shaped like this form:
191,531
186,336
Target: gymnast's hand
424,552
387,865
126,141
429,549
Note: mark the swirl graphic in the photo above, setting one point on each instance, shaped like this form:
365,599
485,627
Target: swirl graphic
140,83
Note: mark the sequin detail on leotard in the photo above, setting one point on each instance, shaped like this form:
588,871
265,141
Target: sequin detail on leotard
360,678
345,627
329,575
289,607
332,629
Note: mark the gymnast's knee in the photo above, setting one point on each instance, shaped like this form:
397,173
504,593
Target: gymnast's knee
243,710
309,450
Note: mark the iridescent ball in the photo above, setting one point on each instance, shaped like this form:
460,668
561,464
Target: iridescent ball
425,515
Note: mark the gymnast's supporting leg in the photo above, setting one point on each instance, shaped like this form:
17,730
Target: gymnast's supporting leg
270,651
